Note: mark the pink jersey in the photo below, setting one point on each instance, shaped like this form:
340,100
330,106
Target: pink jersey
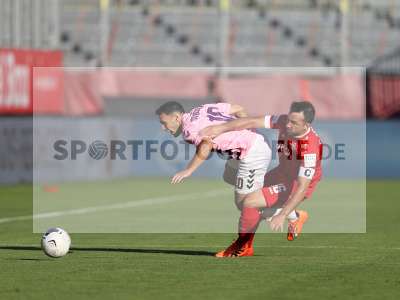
238,143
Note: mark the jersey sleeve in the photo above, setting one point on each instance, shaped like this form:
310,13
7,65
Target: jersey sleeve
311,157
275,121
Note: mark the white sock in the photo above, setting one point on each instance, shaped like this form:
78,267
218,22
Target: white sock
268,213
292,216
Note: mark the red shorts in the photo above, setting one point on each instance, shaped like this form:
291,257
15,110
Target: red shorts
278,187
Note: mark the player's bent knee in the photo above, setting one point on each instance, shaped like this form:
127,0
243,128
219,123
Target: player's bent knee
239,205
250,203
254,200
239,197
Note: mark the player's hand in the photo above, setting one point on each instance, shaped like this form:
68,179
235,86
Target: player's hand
211,131
276,222
178,177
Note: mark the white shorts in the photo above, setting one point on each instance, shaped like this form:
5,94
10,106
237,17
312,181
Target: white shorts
250,170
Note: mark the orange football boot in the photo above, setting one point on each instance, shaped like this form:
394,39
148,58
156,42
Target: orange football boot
236,250
243,251
295,227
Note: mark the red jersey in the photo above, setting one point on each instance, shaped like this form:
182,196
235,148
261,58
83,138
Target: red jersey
298,156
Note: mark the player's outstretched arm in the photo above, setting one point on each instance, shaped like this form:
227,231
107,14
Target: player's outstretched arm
295,199
203,150
238,124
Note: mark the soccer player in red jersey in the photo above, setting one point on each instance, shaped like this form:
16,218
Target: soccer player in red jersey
299,170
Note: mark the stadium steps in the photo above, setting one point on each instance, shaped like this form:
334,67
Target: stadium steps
255,41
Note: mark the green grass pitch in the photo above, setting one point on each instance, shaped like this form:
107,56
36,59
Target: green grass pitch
180,266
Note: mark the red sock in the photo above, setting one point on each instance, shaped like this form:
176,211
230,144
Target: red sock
250,238
248,223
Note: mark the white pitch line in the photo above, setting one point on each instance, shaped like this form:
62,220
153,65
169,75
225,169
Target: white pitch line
256,246
122,205
161,247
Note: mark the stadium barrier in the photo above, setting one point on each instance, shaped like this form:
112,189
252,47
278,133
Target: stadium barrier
338,97
384,95
85,89
18,83
383,86
15,150
182,83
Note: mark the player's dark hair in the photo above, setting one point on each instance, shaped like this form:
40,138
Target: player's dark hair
306,108
169,108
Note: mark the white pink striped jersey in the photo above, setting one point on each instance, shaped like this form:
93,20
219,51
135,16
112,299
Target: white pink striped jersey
237,143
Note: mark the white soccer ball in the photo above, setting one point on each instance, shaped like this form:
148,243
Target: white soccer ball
56,242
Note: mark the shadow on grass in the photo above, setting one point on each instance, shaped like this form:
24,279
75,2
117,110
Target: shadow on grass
32,259
124,250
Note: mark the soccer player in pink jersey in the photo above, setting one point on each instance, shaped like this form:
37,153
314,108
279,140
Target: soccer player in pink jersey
250,154
299,169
